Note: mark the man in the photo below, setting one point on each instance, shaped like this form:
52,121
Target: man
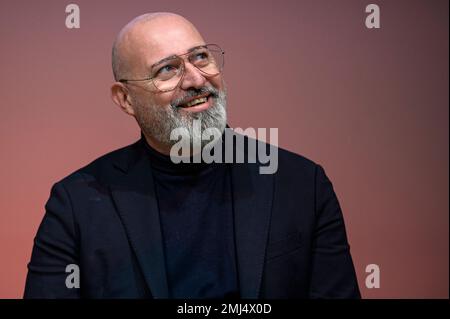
138,225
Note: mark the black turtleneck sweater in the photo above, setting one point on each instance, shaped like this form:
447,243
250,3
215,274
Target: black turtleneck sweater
196,214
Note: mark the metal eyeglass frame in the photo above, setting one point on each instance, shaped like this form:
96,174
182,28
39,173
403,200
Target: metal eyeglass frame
183,66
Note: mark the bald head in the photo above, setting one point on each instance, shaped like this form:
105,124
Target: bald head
148,37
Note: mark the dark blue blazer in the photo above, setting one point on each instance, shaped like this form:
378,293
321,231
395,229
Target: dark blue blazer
289,232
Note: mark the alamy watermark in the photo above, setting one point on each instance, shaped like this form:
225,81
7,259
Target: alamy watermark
373,279
73,17
372,20
231,146
73,279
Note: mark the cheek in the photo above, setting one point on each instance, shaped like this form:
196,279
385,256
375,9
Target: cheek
154,100
161,99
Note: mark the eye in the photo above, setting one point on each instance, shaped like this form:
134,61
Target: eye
200,57
166,69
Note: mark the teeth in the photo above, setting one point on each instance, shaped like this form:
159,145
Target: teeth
196,101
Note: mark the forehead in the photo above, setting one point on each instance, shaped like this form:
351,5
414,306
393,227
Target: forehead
165,37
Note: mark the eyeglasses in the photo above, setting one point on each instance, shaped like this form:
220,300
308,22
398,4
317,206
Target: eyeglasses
166,74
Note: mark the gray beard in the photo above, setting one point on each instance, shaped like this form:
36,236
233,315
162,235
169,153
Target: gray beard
158,121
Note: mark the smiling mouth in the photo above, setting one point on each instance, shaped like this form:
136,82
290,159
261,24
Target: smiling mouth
195,102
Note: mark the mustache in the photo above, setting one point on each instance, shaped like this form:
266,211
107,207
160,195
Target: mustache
194,92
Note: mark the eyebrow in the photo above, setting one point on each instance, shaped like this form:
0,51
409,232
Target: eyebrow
175,55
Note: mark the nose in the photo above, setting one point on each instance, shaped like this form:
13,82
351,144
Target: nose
192,78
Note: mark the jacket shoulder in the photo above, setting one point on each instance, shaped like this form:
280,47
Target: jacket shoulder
102,168
290,158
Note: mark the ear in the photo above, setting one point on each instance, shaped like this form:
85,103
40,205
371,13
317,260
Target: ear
120,96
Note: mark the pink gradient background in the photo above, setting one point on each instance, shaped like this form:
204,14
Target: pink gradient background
371,106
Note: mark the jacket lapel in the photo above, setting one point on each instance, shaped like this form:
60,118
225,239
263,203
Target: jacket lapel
136,203
252,197
137,206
